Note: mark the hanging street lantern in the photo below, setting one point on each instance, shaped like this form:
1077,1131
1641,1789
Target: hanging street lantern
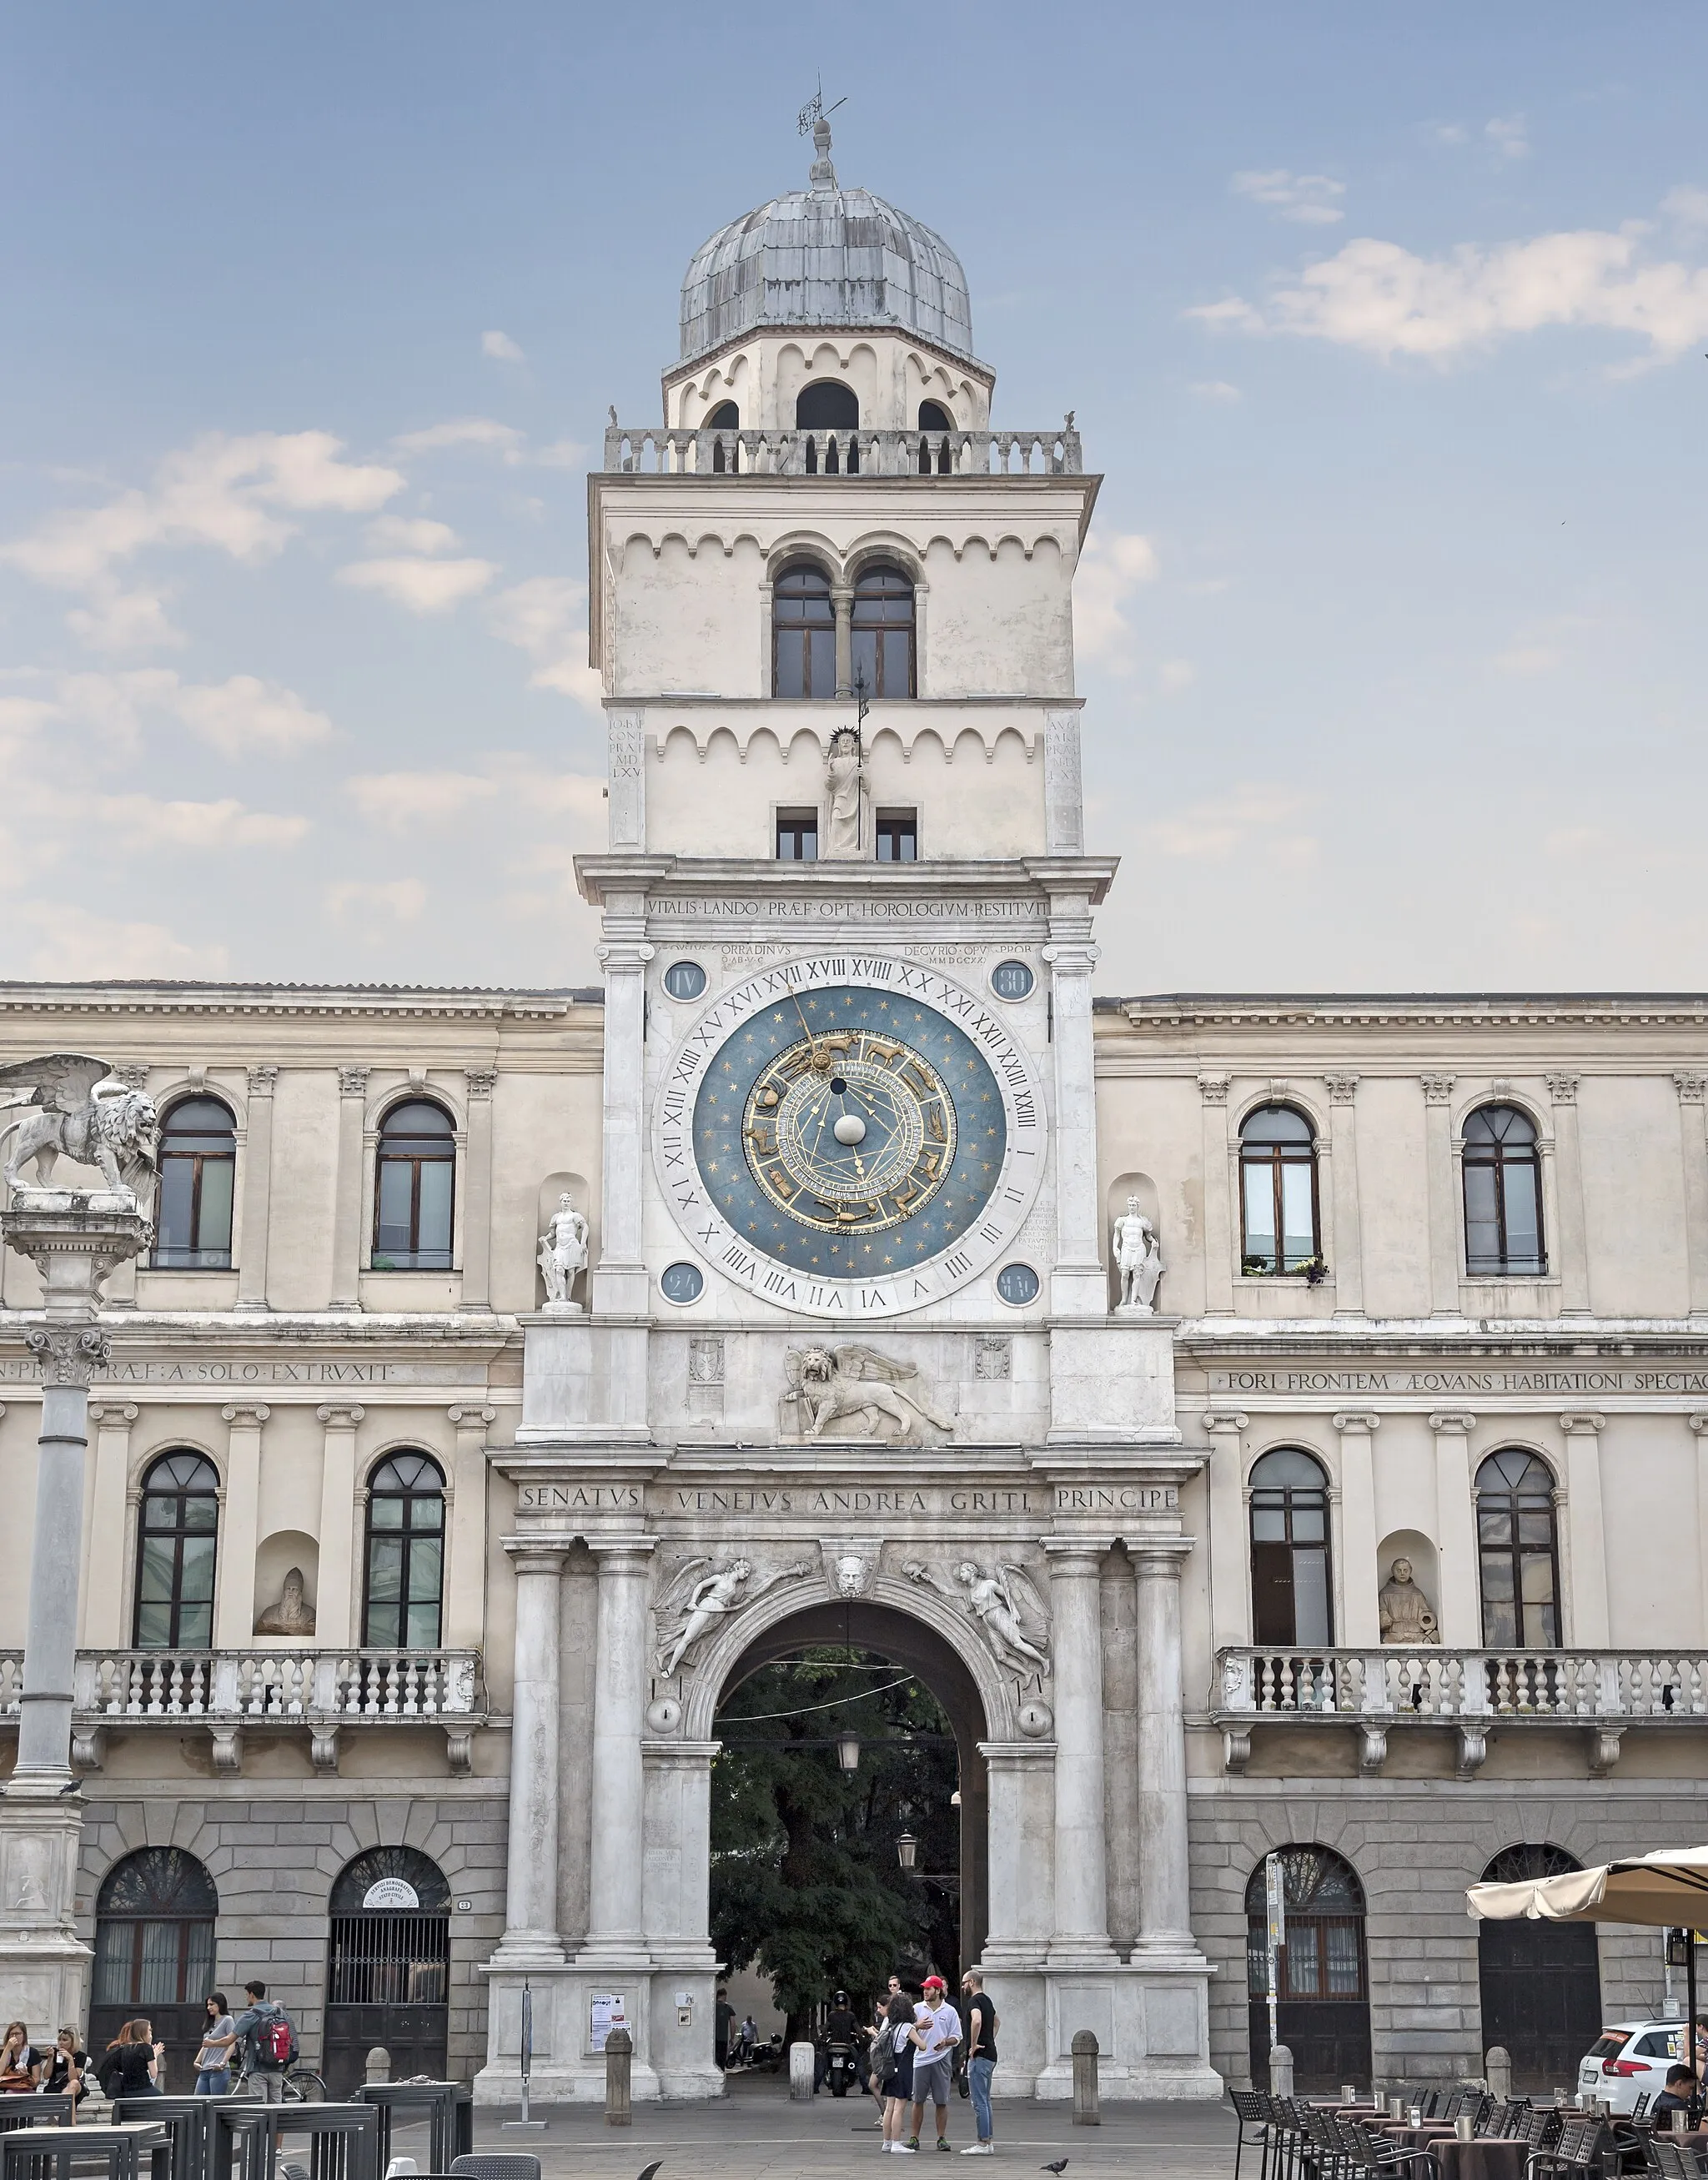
848,1751
907,1849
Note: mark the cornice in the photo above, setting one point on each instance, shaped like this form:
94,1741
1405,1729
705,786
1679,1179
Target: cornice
394,1001
1446,1010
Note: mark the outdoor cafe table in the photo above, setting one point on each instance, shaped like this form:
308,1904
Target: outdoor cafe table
1490,2157
32,2153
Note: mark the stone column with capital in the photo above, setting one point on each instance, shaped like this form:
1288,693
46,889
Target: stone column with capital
1218,1212
1588,1628
1570,1254
477,1193
618,1284
1360,1584
239,1526
256,1213
531,1938
616,1931
465,1570
1347,1247
1692,1151
1164,1881
1080,1936
347,1204
1122,1770
1079,1285
1459,1605
1445,1255
74,1239
336,1604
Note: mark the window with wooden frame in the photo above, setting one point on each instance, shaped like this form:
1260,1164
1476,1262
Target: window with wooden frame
1292,1600
883,626
198,1165
404,1586
1503,1194
178,1530
414,1189
1518,1552
803,633
1279,1221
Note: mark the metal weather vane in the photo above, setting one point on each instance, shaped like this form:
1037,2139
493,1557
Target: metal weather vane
814,111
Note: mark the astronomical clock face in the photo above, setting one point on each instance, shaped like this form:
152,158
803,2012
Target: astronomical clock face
850,1138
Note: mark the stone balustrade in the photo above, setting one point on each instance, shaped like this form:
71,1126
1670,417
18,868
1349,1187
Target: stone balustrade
1475,1691
228,1691
657,450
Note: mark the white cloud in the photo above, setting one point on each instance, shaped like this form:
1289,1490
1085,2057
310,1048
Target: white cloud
547,617
244,713
1215,389
1253,819
1176,674
398,533
402,801
423,587
1528,660
1509,136
1689,206
1311,199
463,432
357,899
501,348
146,821
1380,297
562,455
116,619
1111,568
220,491
1448,132
74,942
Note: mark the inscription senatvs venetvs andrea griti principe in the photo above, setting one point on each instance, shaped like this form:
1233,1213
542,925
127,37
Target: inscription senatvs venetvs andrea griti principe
850,1130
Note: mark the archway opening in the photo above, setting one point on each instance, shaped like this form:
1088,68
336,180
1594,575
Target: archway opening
834,1866
1323,1979
387,1968
1540,1983
154,1934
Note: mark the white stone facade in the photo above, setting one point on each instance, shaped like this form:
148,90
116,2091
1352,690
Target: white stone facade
1056,1530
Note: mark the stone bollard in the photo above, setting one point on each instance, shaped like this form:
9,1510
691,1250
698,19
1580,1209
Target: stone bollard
619,2060
1497,2067
378,2068
1085,2106
1280,2071
802,2061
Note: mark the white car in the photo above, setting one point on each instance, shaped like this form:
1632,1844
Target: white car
1630,2060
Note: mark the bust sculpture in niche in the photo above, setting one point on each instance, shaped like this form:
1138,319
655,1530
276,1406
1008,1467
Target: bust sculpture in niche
293,1614
1406,1616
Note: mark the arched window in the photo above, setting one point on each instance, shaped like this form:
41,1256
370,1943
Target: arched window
154,1929
1278,1190
884,633
405,1555
938,455
1541,1983
1290,1594
387,1967
1503,1193
725,417
198,1157
1323,1980
414,1186
178,1527
825,407
1519,1553
803,633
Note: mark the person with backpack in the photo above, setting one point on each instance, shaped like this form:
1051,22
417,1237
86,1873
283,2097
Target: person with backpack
264,2031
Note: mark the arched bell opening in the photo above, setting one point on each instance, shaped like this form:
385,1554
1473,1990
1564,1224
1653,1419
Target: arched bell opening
867,1634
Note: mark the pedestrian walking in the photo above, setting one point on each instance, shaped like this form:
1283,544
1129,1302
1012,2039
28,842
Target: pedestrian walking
265,2032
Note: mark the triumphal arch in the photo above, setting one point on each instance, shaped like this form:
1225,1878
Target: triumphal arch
848,1360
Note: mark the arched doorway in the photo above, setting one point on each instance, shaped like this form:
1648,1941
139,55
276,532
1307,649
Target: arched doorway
1324,1981
388,1977
793,1825
154,1930
1541,1982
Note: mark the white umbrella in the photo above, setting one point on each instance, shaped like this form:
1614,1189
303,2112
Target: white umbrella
1665,1889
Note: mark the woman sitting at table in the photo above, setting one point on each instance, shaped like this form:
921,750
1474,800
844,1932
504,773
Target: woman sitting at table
1679,2095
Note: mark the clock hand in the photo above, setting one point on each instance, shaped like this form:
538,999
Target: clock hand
820,1063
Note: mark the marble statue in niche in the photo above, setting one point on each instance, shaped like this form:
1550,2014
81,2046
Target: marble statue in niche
291,1613
1406,1616
1139,1260
563,1256
845,783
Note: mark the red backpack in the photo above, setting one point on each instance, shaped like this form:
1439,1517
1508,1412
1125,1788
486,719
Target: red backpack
276,2044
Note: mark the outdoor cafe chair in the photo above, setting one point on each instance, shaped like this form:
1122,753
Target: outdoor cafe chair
1251,2110
1578,2149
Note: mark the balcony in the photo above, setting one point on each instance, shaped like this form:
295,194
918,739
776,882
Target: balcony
654,450
320,1692
1379,1691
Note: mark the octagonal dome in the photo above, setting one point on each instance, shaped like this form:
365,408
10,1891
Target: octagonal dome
825,256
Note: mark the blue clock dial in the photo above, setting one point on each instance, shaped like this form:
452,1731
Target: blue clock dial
849,1132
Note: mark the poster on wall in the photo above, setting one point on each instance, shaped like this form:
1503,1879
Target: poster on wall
607,2012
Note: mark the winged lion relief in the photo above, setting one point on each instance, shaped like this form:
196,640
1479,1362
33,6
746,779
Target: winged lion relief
857,1388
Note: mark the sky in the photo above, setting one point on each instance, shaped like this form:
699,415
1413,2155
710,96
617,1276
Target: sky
1386,328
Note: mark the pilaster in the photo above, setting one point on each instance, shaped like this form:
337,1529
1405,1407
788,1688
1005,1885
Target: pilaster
1359,1582
616,1919
477,1193
1459,1606
337,1606
1693,1151
1699,1426
1079,1285
1165,1867
256,1209
1230,1554
1218,1227
347,1205
1589,1626
1080,1935
465,1569
618,1284
106,1516
233,1603
1570,1256
531,1938
1443,1209
1348,1246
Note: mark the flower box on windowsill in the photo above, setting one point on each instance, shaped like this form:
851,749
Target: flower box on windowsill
1312,1272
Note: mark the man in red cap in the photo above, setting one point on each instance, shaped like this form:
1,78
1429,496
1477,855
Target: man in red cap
940,2025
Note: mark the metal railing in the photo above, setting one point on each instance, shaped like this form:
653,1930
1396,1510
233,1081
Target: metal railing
1427,1682
133,1686
657,450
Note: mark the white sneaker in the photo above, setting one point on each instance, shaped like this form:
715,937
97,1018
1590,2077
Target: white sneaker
980,2150
902,2150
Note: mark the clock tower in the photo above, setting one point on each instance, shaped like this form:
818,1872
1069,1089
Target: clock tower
850,1354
